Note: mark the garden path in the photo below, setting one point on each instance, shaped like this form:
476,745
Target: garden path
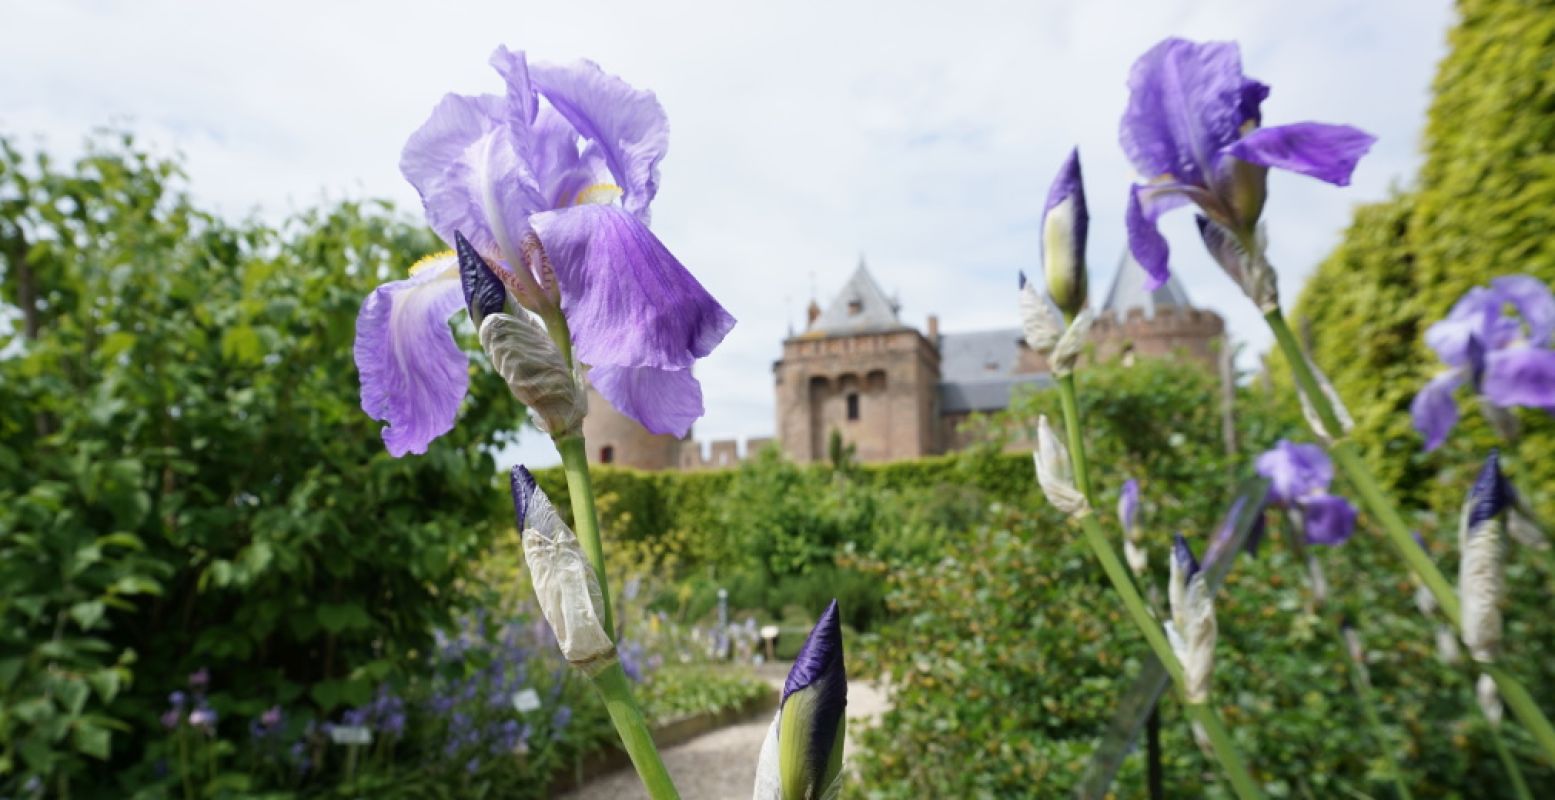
721,764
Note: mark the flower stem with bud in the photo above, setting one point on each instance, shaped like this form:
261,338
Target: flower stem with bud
1382,509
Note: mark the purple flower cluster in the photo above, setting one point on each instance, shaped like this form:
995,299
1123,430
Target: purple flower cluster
1498,340
200,715
1299,476
384,716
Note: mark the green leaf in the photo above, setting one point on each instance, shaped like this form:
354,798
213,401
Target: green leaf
241,344
337,617
92,740
87,614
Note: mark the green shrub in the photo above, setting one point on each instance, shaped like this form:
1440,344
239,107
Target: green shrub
186,479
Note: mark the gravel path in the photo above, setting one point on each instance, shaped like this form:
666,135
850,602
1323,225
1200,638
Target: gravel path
721,765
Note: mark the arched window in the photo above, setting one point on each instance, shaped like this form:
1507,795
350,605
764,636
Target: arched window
853,405
607,454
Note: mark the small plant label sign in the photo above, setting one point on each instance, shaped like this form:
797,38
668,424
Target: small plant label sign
351,734
526,700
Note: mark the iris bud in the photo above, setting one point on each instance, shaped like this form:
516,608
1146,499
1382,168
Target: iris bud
1055,473
483,292
1192,630
525,356
1065,223
565,584
802,756
1482,567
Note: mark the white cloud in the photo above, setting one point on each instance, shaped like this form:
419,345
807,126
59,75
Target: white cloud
922,134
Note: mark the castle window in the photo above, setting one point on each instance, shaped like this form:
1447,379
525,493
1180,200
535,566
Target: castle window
855,307
853,406
607,454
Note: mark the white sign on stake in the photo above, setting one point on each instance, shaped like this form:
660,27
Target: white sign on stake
526,701
351,734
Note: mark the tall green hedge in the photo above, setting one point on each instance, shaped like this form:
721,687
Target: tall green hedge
1482,207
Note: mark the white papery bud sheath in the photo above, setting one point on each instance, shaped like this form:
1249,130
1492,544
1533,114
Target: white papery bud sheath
1489,699
524,355
1067,352
565,584
1309,412
1447,649
1192,631
1040,320
1055,473
1138,560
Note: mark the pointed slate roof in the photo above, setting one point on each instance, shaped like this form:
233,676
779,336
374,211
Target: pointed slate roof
861,307
1128,290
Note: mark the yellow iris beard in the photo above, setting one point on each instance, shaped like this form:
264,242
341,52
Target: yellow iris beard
427,261
602,194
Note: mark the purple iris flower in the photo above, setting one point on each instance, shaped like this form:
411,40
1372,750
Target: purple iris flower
1192,130
810,712
550,183
1506,358
1128,505
1299,475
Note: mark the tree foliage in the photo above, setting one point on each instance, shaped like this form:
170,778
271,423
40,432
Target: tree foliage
186,479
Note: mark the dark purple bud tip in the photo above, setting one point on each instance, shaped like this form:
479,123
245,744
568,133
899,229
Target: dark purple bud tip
1022,274
483,292
1420,540
1184,555
1491,494
821,656
523,485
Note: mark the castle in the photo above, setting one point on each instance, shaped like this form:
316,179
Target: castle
893,392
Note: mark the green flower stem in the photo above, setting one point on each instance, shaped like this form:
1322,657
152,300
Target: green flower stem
585,522
1519,786
1225,749
635,736
1372,497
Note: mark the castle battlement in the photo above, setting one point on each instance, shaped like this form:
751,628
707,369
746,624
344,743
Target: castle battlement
719,453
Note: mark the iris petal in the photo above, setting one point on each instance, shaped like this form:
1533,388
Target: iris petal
1187,101
627,124
1295,470
1329,520
1145,241
628,301
663,400
1317,150
1534,304
413,373
1521,375
1434,410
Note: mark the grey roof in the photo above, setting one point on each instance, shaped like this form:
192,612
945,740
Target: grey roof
978,355
978,370
986,395
861,307
1128,290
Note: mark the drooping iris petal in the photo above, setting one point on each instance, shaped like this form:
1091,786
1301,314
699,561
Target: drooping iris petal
1145,241
1329,519
628,301
1520,375
1186,101
627,124
1434,410
1534,304
810,717
1128,504
663,400
1295,470
413,373
1317,150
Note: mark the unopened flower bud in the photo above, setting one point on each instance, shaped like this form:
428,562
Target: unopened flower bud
483,292
1481,566
524,355
1041,321
565,583
1065,222
1138,560
1247,188
801,758
1192,630
1055,473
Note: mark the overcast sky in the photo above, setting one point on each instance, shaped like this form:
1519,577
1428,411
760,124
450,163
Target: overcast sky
922,135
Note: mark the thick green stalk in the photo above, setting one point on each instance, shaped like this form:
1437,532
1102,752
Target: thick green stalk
1350,462
1225,749
585,522
634,733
